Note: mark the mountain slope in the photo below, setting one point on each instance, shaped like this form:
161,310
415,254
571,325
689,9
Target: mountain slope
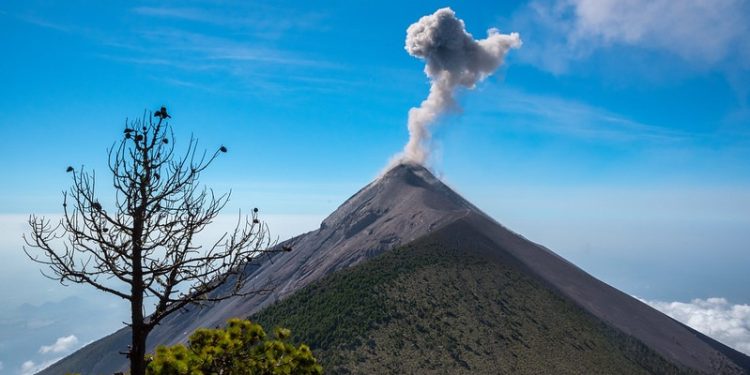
403,205
451,303
671,339
406,204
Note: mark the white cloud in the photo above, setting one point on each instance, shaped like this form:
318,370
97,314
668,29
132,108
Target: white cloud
715,317
268,21
30,367
697,30
568,117
62,344
703,33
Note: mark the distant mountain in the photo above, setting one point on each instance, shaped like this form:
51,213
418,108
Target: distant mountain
460,292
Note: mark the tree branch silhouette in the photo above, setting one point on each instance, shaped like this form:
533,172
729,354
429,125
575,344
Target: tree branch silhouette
142,246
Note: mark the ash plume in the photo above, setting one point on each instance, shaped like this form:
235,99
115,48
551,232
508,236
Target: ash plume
453,58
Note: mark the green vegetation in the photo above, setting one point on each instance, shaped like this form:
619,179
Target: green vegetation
242,348
452,304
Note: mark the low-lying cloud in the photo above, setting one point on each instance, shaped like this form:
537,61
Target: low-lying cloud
62,344
714,317
31,367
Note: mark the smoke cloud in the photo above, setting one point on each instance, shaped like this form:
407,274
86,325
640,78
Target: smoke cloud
453,58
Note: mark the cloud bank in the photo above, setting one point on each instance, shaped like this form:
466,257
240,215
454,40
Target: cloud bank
30,367
62,344
714,317
453,59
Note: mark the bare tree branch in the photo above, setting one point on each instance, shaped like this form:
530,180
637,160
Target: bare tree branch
143,244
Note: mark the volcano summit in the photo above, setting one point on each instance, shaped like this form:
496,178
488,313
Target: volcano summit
407,276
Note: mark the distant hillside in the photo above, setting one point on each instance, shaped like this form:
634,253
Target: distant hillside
450,303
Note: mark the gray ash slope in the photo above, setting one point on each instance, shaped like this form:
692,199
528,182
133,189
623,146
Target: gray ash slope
404,205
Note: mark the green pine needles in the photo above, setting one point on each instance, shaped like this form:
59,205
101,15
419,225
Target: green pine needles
242,348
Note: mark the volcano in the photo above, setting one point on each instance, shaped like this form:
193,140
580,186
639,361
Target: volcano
408,266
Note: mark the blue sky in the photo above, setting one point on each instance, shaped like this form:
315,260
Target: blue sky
618,135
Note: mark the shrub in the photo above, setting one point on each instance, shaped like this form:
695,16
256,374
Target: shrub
242,348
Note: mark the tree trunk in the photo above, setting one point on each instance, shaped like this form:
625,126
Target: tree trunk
139,328
138,348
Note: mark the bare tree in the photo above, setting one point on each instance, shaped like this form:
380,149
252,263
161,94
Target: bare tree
143,248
